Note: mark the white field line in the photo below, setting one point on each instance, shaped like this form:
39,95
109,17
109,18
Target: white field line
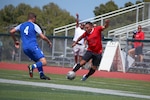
95,82
76,88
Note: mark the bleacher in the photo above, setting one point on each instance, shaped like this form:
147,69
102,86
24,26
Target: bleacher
120,34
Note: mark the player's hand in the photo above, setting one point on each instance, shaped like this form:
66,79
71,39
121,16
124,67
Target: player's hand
50,44
107,21
74,43
17,44
77,15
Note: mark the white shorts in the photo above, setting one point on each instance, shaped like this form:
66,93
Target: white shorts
79,50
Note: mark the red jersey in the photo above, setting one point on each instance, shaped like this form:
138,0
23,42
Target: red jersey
94,40
139,36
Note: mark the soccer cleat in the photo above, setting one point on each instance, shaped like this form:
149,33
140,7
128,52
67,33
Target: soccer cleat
30,70
43,77
84,78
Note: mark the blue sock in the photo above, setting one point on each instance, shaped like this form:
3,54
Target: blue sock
39,66
40,69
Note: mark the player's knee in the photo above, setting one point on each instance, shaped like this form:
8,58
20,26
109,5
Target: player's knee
94,67
44,62
82,62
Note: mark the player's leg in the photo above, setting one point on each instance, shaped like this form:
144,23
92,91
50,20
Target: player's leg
96,58
87,56
136,54
81,53
141,54
40,69
76,59
131,52
79,65
36,55
75,51
28,52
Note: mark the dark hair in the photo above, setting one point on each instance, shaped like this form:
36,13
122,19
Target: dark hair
31,15
82,23
91,24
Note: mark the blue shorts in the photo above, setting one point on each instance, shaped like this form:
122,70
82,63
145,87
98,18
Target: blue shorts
33,52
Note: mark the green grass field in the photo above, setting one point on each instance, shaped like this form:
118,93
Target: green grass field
27,92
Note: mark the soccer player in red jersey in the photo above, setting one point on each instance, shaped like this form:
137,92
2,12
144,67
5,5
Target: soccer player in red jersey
94,50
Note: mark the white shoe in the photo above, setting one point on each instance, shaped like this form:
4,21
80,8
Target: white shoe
84,77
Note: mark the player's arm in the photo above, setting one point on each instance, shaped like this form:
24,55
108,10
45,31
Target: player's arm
77,20
143,36
42,36
12,33
74,43
45,39
106,24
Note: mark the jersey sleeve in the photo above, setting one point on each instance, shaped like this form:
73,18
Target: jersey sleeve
37,29
17,28
142,36
100,28
84,35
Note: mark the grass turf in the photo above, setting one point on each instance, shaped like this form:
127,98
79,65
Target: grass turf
23,92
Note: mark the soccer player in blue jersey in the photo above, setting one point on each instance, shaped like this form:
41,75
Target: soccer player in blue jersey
28,31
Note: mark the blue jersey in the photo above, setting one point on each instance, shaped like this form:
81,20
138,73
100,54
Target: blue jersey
28,32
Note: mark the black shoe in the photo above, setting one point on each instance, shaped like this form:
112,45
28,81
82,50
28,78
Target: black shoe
43,77
30,70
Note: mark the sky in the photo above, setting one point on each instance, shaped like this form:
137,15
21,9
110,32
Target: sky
84,8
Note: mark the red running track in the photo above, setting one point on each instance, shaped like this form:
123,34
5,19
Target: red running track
63,71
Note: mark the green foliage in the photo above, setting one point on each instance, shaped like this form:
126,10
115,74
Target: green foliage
146,0
128,4
108,7
54,17
50,16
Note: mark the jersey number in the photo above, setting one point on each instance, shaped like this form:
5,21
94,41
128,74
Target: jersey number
26,30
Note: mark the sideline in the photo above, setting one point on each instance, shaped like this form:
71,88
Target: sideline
76,88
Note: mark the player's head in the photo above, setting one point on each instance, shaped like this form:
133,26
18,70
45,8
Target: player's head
139,28
94,25
32,17
88,27
82,25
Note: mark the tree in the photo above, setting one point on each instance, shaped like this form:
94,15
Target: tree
111,6
55,17
128,4
146,1
100,10
7,12
21,12
50,16
6,15
108,7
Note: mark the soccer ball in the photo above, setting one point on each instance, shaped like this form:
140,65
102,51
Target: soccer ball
71,75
